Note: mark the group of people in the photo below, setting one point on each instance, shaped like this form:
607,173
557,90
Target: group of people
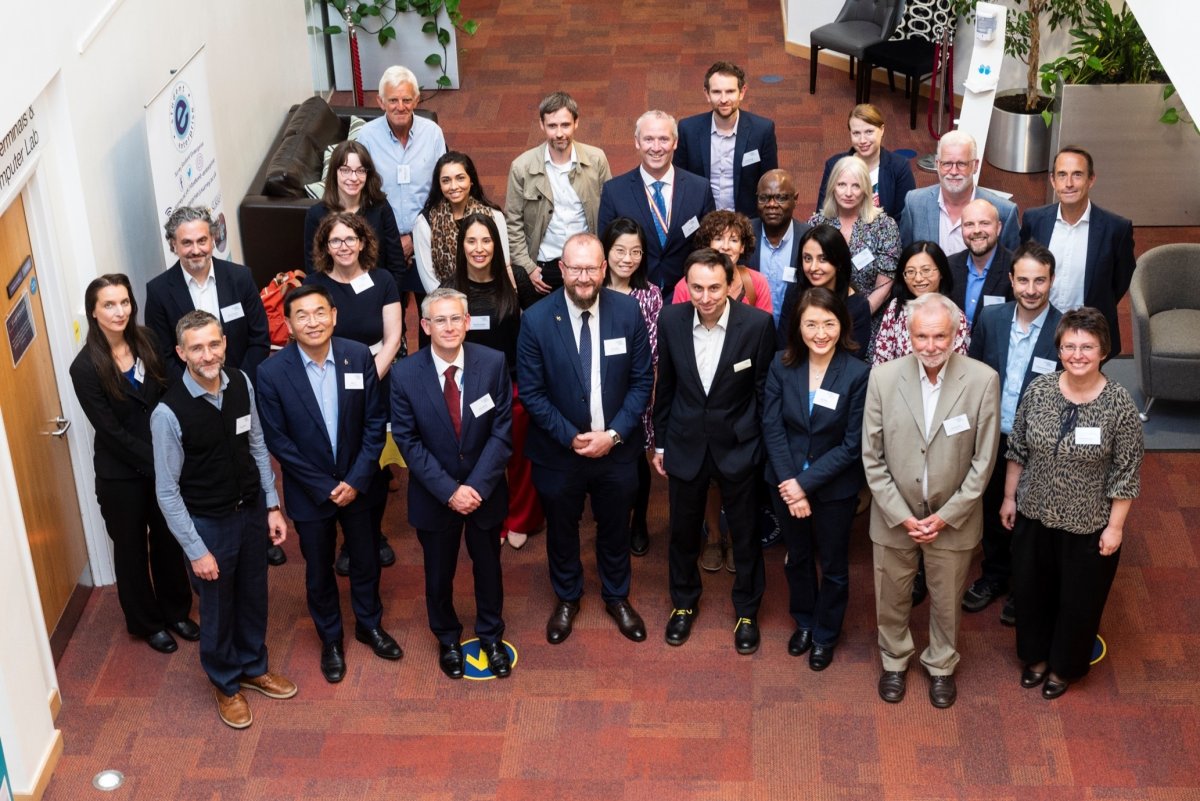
913,345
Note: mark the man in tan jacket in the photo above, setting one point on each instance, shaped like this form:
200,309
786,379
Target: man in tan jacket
553,193
930,428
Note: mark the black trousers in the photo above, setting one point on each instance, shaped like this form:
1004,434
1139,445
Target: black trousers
641,499
152,574
441,561
1060,586
739,498
318,539
997,540
818,605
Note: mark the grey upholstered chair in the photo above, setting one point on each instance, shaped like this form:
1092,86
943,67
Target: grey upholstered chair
860,24
1165,300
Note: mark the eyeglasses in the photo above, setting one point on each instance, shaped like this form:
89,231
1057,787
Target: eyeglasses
923,272
619,252
319,316
358,172
824,328
960,166
446,322
580,272
1083,350
780,198
350,241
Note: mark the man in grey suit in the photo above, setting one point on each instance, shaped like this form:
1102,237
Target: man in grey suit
929,436
934,213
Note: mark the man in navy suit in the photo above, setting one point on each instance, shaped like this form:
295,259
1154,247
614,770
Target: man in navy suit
452,421
1015,339
585,377
778,234
980,272
713,357
1093,247
730,147
668,202
324,420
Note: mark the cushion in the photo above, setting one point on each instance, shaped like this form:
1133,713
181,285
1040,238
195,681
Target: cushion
1175,334
297,161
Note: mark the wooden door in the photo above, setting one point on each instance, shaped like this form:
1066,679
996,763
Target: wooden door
34,423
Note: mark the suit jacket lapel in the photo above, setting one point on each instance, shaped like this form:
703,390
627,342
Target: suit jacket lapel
471,390
831,378
953,385
1095,236
566,332
910,391
729,348
739,149
178,287
433,389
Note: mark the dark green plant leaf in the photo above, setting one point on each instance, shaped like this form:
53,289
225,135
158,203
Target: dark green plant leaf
1168,90
470,26
332,30
443,82
433,60
387,34
1170,116
443,37
429,27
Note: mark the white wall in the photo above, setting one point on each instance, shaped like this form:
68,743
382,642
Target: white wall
1171,29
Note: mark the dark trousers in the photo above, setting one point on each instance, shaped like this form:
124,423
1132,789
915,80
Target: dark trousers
441,561
641,499
551,274
687,499
818,605
611,485
318,539
1060,585
997,540
233,608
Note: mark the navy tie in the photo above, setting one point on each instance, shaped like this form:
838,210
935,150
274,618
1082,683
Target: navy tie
585,358
661,203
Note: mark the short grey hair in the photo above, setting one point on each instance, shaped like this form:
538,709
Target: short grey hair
958,138
194,321
442,293
186,214
397,76
932,300
657,115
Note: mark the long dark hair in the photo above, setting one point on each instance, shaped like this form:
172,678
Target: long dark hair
504,294
372,193
435,185
837,253
900,290
137,337
615,230
820,298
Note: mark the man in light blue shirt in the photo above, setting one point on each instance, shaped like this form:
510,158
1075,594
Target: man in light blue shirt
777,234
980,272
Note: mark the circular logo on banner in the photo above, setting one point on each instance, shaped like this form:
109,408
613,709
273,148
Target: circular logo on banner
476,667
182,123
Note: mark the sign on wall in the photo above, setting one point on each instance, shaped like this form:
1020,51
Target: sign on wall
183,155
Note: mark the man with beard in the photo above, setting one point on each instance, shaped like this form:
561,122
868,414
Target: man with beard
216,489
778,234
1015,339
930,428
981,271
584,372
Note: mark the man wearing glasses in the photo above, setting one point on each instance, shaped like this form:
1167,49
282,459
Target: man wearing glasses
584,372
934,213
778,234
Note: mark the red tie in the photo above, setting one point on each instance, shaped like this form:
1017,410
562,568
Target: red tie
453,403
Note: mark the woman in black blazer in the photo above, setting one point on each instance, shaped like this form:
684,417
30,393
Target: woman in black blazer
118,380
812,424
892,174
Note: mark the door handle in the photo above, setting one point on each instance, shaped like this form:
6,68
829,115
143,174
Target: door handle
63,424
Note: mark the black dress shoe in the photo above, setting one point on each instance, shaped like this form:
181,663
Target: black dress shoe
558,627
450,660
820,657
276,556
942,691
919,589
1008,613
1053,688
639,540
628,620
387,557
980,594
1031,678
679,626
163,642
341,565
380,641
745,635
186,628
497,657
800,642
892,685
333,662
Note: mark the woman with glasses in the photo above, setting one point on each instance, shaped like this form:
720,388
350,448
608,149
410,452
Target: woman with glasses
345,254
812,425
1074,468
624,244
496,295
924,268
890,175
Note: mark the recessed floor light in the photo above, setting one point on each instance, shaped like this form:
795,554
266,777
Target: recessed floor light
108,780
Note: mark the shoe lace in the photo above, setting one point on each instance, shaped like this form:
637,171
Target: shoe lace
742,620
675,612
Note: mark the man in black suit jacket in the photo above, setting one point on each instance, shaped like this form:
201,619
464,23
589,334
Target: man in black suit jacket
981,271
198,281
668,202
1016,339
777,233
1099,275
713,357
730,147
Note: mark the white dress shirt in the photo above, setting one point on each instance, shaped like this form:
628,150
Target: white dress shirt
440,365
1069,244
576,315
931,392
567,216
204,296
708,343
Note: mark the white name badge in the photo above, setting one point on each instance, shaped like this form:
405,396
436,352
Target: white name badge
1042,366
993,300
354,380
826,398
378,346
751,157
232,312
482,406
362,283
862,258
482,322
139,371
690,226
614,347
742,365
243,424
1087,435
403,174
789,274
956,425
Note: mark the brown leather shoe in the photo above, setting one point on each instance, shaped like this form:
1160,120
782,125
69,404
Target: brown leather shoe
233,709
270,685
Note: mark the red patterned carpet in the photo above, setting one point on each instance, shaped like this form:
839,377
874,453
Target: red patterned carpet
599,717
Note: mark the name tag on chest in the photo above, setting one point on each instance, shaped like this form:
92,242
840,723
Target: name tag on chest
863,257
232,312
751,157
691,226
362,283
1042,366
482,322
789,274
614,347
482,406
826,398
1087,435
403,174
956,425
354,380
242,425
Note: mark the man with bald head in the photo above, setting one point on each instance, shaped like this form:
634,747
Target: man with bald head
980,272
777,234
